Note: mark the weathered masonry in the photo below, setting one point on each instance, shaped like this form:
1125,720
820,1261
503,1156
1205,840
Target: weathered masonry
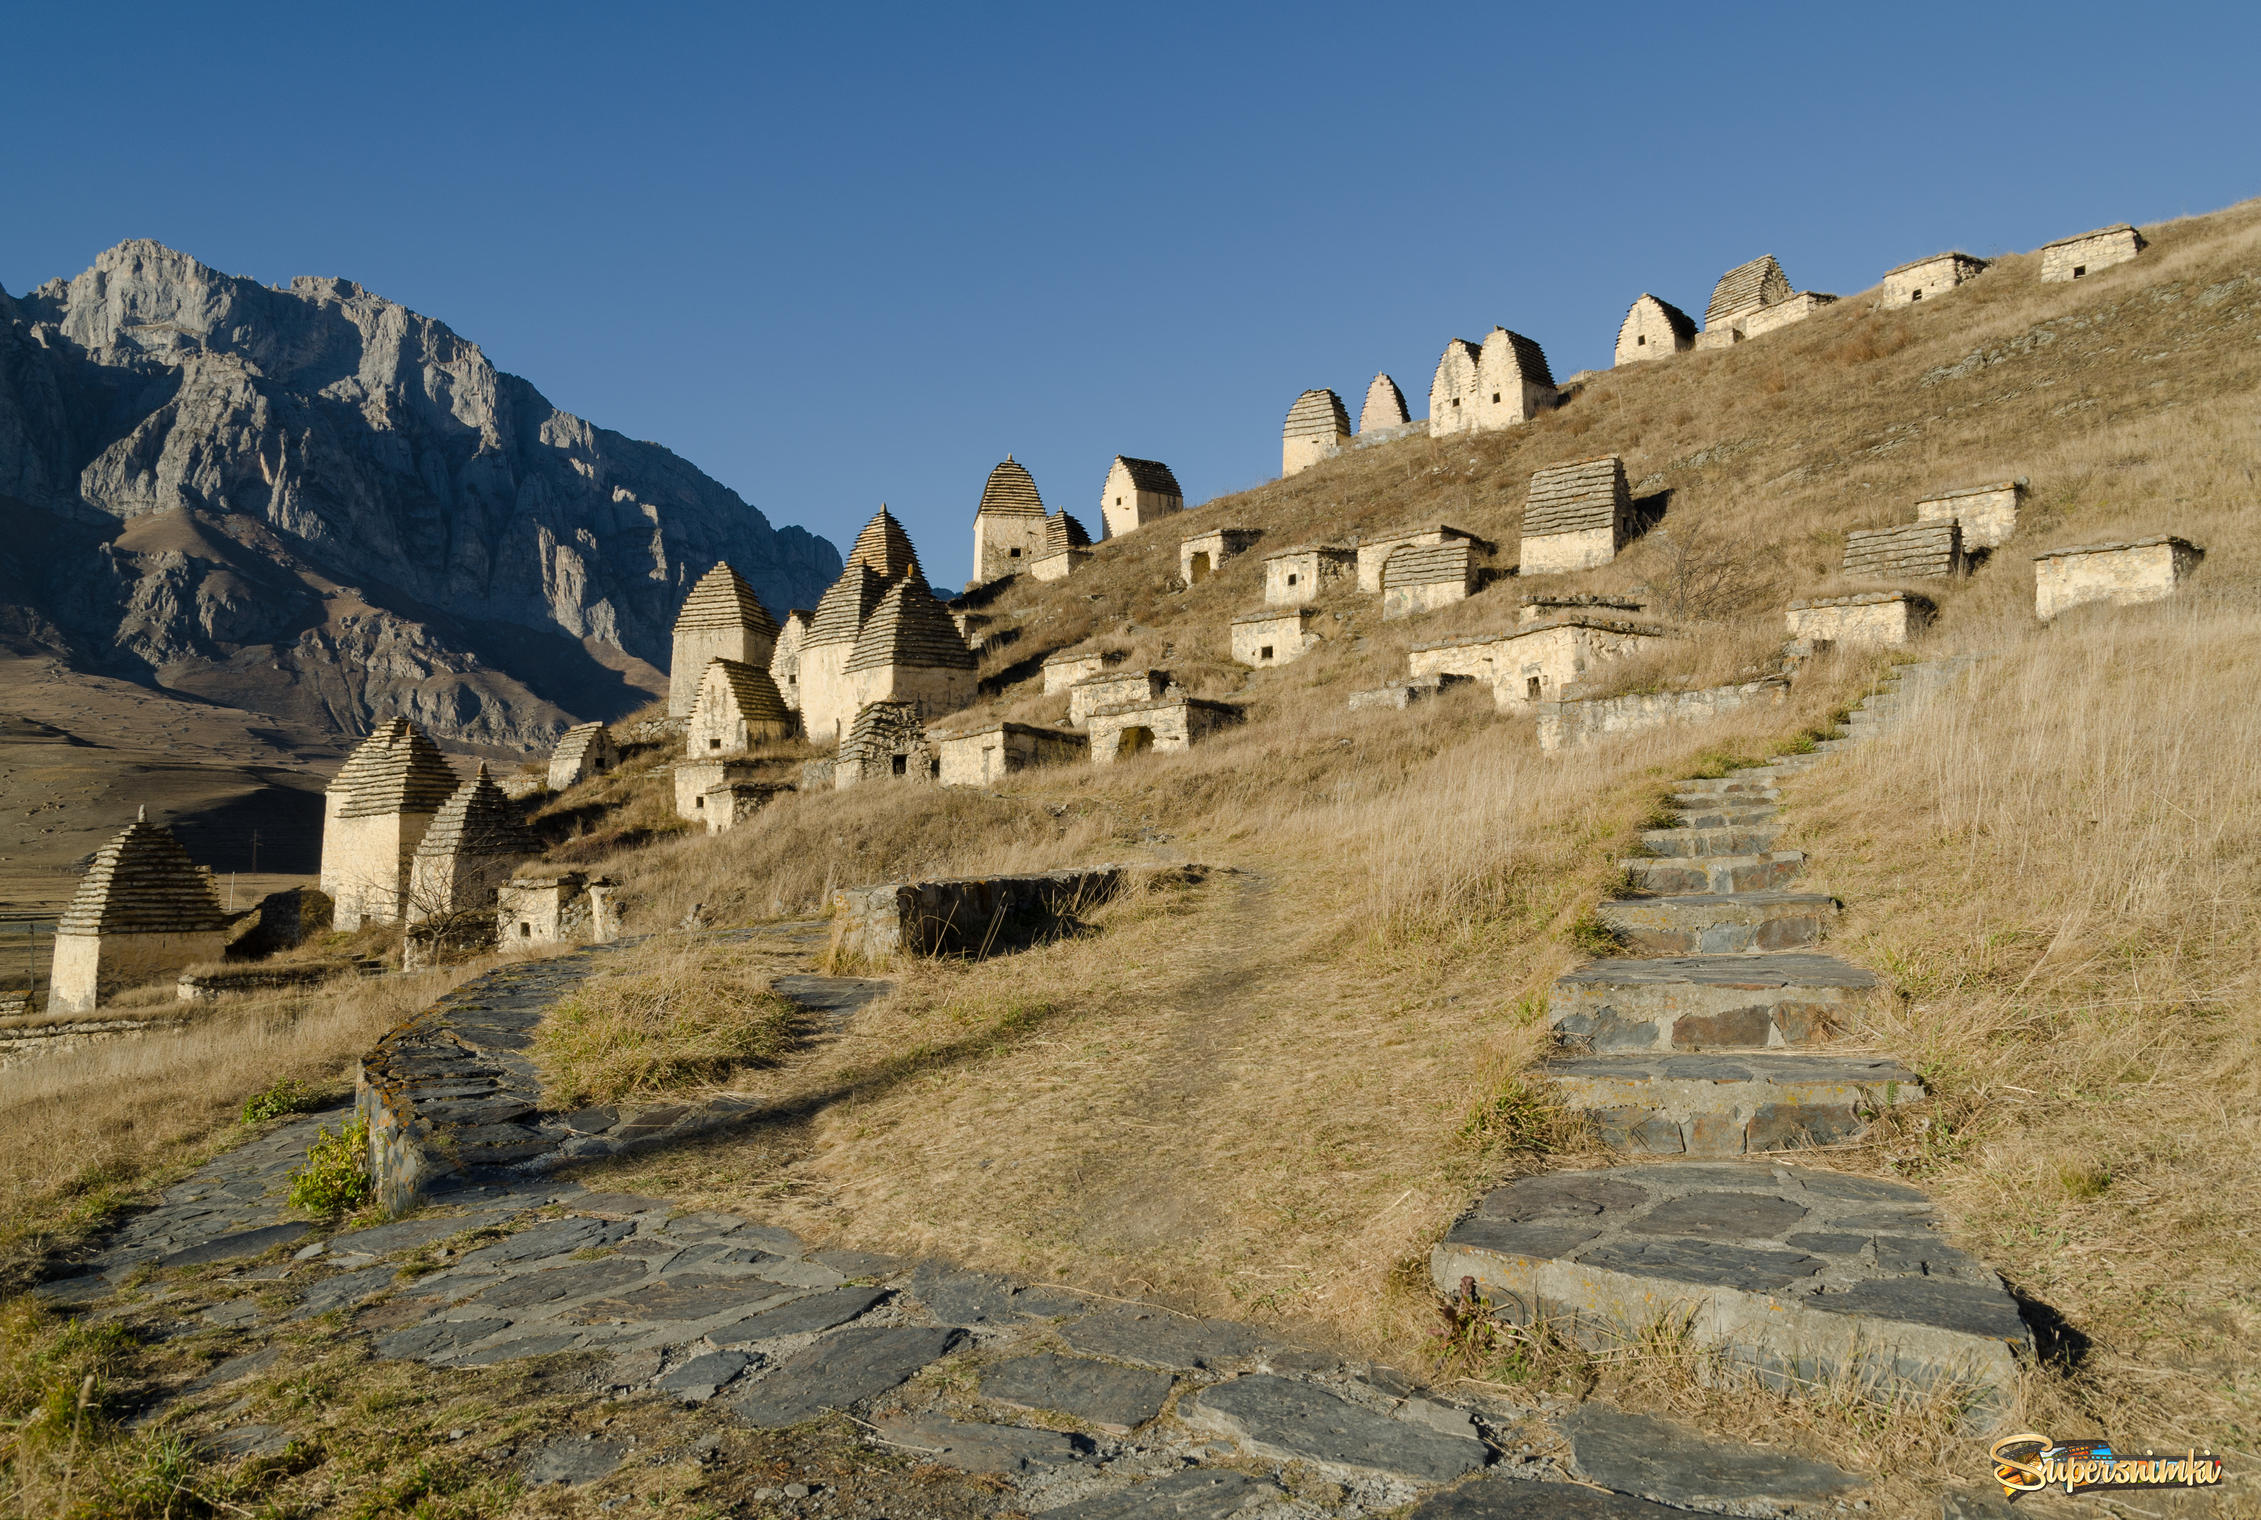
735,802
1114,689
738,707
373,817
1887,618
1420,578
882,555
1293,577
1273,636
1577,516
1987,514
476,840
1498,384
973,915
1067,548
1540,608
1069,666
1200,556
721,619
909,651
142,911
1584,720
1924,551
888,742
1534,663
1316,427
551,907
1742,290
1801,305
697,781
1374,551
1385,406
1913,281
1008,525
585,750
2139,570
1167,726
785,660
1402,694
1136,493
1653,329
2074,257
988,755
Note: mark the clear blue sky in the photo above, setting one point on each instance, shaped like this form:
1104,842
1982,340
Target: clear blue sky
840,254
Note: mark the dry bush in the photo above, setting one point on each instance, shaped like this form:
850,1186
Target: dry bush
670,1014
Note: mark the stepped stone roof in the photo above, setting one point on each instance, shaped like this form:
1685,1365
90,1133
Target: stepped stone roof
397,769
1574,497
2080,237
1746,288
885,547
1530,359
1149,475
1425,564
1385,405
1011,492
1062,532
142,882
751,688
910,627
1682,325
1919,550
478,820
1317,414
722,600
575,741
883,728
842,610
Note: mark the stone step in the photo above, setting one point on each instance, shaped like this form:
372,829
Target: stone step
1832,746
1718,923
1741,784
1715,873
1687,841
1707,1002
1801,1274
1725,813
1727,1105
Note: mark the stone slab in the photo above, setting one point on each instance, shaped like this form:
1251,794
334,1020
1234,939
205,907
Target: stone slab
800,1316
1158,1338
234,1246
1728,1104
1706,1002
1293,1421
1770,872
1498,1496
1112,1397
702,1377
969,1299
976,1447
841,1371
552,1237
1657,1459
407,1234
1202,1493
342,1289
574,1460
1727,923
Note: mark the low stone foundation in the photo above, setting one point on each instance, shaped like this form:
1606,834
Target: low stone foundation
202,983
972,915
1405,693
1890,618
1566,725
2126,574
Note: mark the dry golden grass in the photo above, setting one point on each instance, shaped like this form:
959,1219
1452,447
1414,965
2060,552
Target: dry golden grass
668,1014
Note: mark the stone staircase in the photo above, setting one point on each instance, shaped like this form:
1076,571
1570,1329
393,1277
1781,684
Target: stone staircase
1725,1037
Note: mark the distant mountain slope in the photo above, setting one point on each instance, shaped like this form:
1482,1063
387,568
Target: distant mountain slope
317,504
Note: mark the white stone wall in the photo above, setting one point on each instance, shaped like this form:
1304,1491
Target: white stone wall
1718,337
1119,733
2123,574
828,704
1452,393
1126,509
1304,575
990,755
695,778
1276,640
1566,725
1372,555
366,863
2076,257
598,756
1782,313
534,914
89,969
1646,333
1530,665
936,691
1889,621
1113,690
694,647
785,660
1059,675
1987,517
1005,543
1204,554
1562,553
1505,396
1426,596
1927,279
1058,567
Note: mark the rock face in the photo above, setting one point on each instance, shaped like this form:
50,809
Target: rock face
315,503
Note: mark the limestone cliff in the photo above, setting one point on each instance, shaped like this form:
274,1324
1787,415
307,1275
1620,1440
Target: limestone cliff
313,502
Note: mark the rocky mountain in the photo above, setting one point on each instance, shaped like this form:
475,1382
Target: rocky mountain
316,504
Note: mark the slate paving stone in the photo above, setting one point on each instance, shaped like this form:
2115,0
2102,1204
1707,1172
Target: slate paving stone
1657,1459
975,1447
73,1292
572,1460
858,1263
249,1364
232,1246
407,1234
1294,1421
249,1441
621,1204
702,1377
344,1288
553,1285
552,1237
1158,1338
841,1371
435,1339
1496,1496
234,1313
689,1297
1201,1493
1114,1398
800,1316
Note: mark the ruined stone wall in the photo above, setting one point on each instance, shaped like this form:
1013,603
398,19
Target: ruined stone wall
1113,690
89,969
1062,671
1988,515
2072,258
1278,638
585,750
1873,618
974,915
1579,721
695,778
1533,664
1374,552
1005,543
1204,554
1653,329
1296,576
990,755
2140,570
1168,727
1794,308
785,659
367,874
1927,279
1060,564
1420,578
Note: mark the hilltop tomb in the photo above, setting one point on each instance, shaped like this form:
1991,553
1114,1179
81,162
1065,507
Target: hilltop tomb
551,907
888,742
1373,552
1385,406
1923,551
1136,493
1200,556
982,756
1987,514
1478,388
1576,517
1872,618
1008,525
697,780
725,807
1167,726
1752,299
1913,281
785,659
2139,570
1801,305
1069,666
1274,636
1653,329
474,844
738,707
1536,662
374,816
1420,578
142,911
585,750
1293,577
1114,689
1316,427
2076,257
1067,548
721,619
879,634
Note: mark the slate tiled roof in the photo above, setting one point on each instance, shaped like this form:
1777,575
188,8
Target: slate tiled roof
397,769
1317,414
1149,475
1746,288
750,689
722,600
1683,326
1530,359
910,627
884,728
575,742
142,882
1011,492
1062,532
841,611
478,820
1574,497
1385,405
884,546
1428,564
